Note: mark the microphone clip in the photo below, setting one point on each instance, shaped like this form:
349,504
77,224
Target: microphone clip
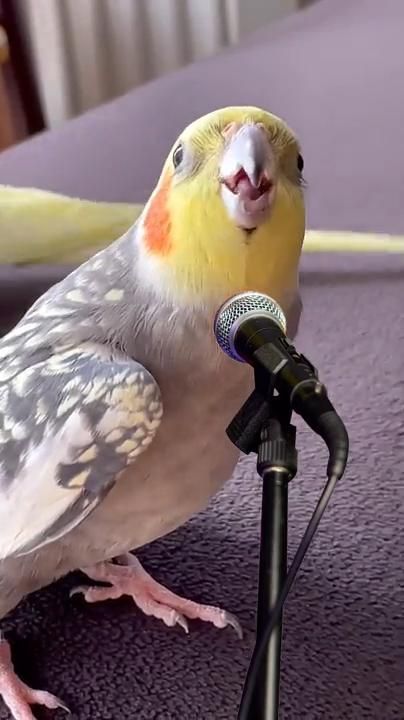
262,426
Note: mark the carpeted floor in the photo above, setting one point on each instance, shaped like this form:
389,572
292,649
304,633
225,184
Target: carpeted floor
344,624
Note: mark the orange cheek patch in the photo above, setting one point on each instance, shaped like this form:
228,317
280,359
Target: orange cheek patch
157,223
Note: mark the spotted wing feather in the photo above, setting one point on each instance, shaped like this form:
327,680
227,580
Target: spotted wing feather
69,425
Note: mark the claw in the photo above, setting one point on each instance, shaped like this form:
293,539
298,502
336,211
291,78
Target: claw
59,704
52,702
234,623
127,577
182,622
79,589
18,696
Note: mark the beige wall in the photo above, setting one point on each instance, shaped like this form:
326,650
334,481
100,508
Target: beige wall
88,51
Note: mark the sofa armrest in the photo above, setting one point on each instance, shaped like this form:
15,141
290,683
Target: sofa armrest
21,285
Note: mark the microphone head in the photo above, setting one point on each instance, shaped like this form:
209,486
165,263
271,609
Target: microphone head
237,309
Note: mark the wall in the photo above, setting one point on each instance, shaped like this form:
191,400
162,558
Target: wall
88,51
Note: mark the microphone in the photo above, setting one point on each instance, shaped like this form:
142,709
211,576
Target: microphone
251,328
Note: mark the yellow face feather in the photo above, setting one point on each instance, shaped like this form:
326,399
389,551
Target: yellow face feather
191,242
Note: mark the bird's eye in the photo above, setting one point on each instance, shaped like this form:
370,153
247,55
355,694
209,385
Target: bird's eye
300,163
178,154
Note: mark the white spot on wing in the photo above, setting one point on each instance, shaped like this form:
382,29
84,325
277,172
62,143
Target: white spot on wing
114,295
21,382
76,296
31,342
19,431
7,373
6,351
3,398
34,500
23,328
52,311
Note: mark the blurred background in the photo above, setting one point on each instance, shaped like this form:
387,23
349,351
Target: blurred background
59,58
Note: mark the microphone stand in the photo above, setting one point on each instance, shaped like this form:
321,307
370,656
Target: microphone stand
263,426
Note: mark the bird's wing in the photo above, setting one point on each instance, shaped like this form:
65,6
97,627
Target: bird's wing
69,426
293,308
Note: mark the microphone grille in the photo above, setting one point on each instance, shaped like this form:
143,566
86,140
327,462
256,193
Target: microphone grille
240,306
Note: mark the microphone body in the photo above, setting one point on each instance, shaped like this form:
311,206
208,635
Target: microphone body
251,328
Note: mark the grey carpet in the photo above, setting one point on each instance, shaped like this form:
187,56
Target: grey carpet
344,624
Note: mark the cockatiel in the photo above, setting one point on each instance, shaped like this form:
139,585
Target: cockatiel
114,396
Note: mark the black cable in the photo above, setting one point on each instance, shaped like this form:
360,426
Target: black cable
260,648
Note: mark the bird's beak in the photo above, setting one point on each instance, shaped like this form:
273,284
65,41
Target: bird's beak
247,174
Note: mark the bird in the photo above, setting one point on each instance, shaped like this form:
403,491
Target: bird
114,395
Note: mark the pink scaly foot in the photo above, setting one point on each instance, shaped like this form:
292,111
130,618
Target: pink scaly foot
129,578
16,695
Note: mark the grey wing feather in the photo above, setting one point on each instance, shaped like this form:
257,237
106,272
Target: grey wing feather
293,314
69,426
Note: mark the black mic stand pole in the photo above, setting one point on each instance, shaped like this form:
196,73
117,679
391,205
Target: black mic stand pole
263,426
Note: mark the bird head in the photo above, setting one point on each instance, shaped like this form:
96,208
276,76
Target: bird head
227,214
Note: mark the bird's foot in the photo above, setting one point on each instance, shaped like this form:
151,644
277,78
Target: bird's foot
16,695
129,578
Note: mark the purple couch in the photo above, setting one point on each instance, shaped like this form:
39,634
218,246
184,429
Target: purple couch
335,72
